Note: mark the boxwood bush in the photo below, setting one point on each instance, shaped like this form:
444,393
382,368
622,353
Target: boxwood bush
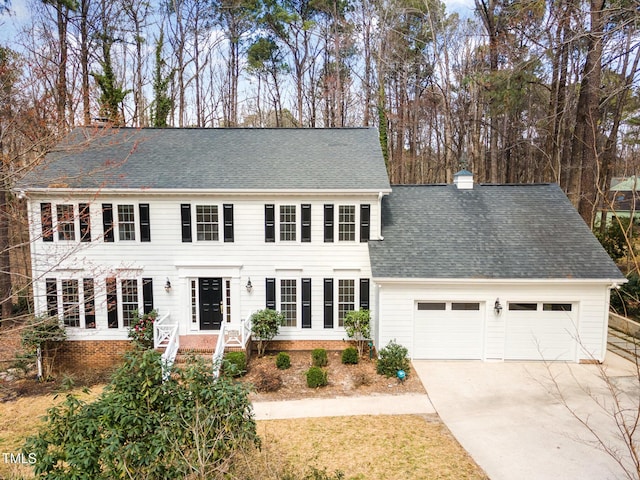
319,357
283,361
350,356
393,357
235,364
316,377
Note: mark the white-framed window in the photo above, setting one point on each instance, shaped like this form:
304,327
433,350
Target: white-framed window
346,298
130,300
66,223
70,303
347,223
207,223
287,223
289,301
126,222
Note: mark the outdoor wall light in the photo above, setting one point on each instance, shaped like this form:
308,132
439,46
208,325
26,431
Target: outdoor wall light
167,286
497,307
249,286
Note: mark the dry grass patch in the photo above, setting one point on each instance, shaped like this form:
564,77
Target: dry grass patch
371,447
21,418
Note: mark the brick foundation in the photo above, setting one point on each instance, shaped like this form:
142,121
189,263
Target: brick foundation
95,355
293,345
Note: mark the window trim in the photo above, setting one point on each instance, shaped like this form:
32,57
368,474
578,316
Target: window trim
281,224
296,303
134,231
62,222
216,232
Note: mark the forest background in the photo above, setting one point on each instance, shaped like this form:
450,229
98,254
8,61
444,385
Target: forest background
514,91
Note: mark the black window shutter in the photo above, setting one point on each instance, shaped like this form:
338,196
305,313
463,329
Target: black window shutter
365,222
145,225
328,223
306,223
269,223
271,294
227,210
147,295
306,303
85,222
89,303
112,303
107,222
364,294
52,297
328,303
185,216
47,222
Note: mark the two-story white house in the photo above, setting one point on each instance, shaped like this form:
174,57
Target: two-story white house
207,226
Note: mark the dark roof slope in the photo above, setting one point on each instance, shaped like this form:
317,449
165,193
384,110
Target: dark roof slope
490,231
233,158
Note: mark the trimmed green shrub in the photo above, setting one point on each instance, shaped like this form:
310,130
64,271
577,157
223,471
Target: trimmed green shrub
319,357
357,325
235,364
283,361
265,324
316,377
393,357
350,356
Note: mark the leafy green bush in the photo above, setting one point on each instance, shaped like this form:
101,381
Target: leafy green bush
625,300
393,357
265,324
350,356
316,377
141,329
357,325
235,364
283,361
142,427
319,357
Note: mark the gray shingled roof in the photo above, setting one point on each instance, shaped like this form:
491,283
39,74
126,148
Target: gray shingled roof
234,158
490,231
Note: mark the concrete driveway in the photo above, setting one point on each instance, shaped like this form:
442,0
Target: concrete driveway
512,420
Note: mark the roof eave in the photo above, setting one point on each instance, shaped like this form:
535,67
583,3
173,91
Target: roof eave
496,281
43,191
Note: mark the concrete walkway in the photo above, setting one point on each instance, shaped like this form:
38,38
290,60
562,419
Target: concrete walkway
512,417
344,406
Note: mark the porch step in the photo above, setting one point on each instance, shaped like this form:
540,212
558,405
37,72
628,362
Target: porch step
184,354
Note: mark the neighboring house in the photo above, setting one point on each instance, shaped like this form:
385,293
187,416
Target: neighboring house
210,225
624,198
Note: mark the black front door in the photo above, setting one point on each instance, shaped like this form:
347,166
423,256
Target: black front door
210,290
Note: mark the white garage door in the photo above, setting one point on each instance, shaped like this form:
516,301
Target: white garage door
540,331
448,330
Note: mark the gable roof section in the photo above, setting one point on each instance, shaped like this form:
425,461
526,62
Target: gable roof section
211,159
488,232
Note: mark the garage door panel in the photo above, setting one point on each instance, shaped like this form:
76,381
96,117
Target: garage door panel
540,335
448,334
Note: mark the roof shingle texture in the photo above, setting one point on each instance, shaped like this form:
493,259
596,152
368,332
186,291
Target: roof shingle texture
490,231
234,158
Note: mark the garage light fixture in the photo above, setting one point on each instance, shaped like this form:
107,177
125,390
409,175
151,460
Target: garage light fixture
249,287
167,286
497,307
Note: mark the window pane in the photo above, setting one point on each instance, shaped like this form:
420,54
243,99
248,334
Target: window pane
207,222
556,307
126,222
432,306
194,302
465,306
288,302
346,298
523,306
70,303
287,222
66,223
129,301
347,222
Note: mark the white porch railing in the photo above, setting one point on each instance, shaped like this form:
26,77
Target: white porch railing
165,334
231,335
